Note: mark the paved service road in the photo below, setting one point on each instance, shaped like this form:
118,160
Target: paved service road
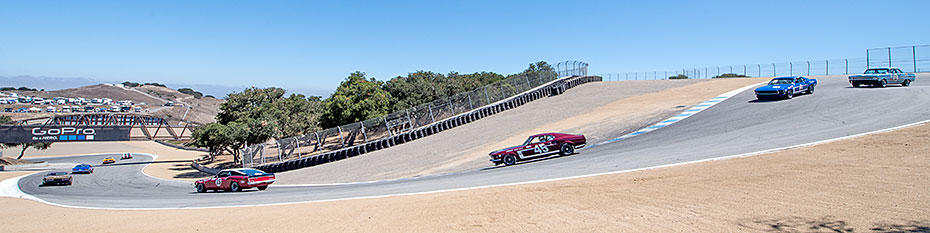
735,126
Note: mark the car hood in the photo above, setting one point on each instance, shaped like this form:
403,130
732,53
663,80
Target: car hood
774,87
506,149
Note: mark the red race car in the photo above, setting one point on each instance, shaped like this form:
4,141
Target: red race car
538,146
235,180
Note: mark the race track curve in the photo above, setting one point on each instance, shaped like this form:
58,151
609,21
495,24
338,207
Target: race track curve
735,126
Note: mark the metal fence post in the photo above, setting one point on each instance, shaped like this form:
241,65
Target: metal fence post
867,59
847,65
528,85
827,70
362,128
744,70
773,71
705,72
409,121
388,127
430,107
319,142
914,52
791,68
731,69
280,151
470,105
889,57
760,70
808,68
342,142
297,142
486,95
451,107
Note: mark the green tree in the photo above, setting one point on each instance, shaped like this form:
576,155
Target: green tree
356,99
6,120
730,75
26,145
678,76
247,104
212,136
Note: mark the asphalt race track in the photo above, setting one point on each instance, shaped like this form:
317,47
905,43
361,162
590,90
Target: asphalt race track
735,126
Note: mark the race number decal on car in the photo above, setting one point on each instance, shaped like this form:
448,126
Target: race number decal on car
219,182
540,149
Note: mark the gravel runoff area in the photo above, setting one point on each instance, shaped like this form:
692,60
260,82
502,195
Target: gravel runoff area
600,111
874,183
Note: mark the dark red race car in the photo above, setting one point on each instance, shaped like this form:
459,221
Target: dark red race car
538,146
235,180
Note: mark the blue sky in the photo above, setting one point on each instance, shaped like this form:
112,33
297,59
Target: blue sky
313,46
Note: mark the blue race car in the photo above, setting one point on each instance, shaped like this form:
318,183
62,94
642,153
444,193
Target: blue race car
83,168
786,87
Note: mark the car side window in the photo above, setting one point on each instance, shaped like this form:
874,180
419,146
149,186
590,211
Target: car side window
223,174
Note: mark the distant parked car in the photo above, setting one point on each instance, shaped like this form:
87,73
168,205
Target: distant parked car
56,178
881,77
82,168
126,156
539,145
235,180
786,87
109,160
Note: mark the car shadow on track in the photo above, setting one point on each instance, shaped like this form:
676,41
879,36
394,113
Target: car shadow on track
525,162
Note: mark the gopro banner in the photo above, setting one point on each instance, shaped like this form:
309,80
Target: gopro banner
47,133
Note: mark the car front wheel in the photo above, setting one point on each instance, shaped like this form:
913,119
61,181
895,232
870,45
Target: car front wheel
200,188
789,94
510,159
234,186
567,149
855,84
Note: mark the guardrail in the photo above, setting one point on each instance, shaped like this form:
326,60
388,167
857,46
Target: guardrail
907,58
400,122
552,88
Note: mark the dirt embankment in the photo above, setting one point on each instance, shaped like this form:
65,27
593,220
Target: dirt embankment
873,183
600,111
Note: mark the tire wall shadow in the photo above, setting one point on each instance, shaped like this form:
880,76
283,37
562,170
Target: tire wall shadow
830,224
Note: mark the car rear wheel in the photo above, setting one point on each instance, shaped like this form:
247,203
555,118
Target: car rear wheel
567,149
200,188
810,89
883,83
234,187
906,83
262,187
510,159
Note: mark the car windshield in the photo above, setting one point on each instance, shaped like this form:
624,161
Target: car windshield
780,81
876,71
529,140
252,172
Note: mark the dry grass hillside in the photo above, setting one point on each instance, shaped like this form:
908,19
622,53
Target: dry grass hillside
151,98
204,109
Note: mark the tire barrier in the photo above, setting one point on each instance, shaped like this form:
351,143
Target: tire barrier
555,88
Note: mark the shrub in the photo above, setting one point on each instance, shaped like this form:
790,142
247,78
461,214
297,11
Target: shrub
731,75
678,76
